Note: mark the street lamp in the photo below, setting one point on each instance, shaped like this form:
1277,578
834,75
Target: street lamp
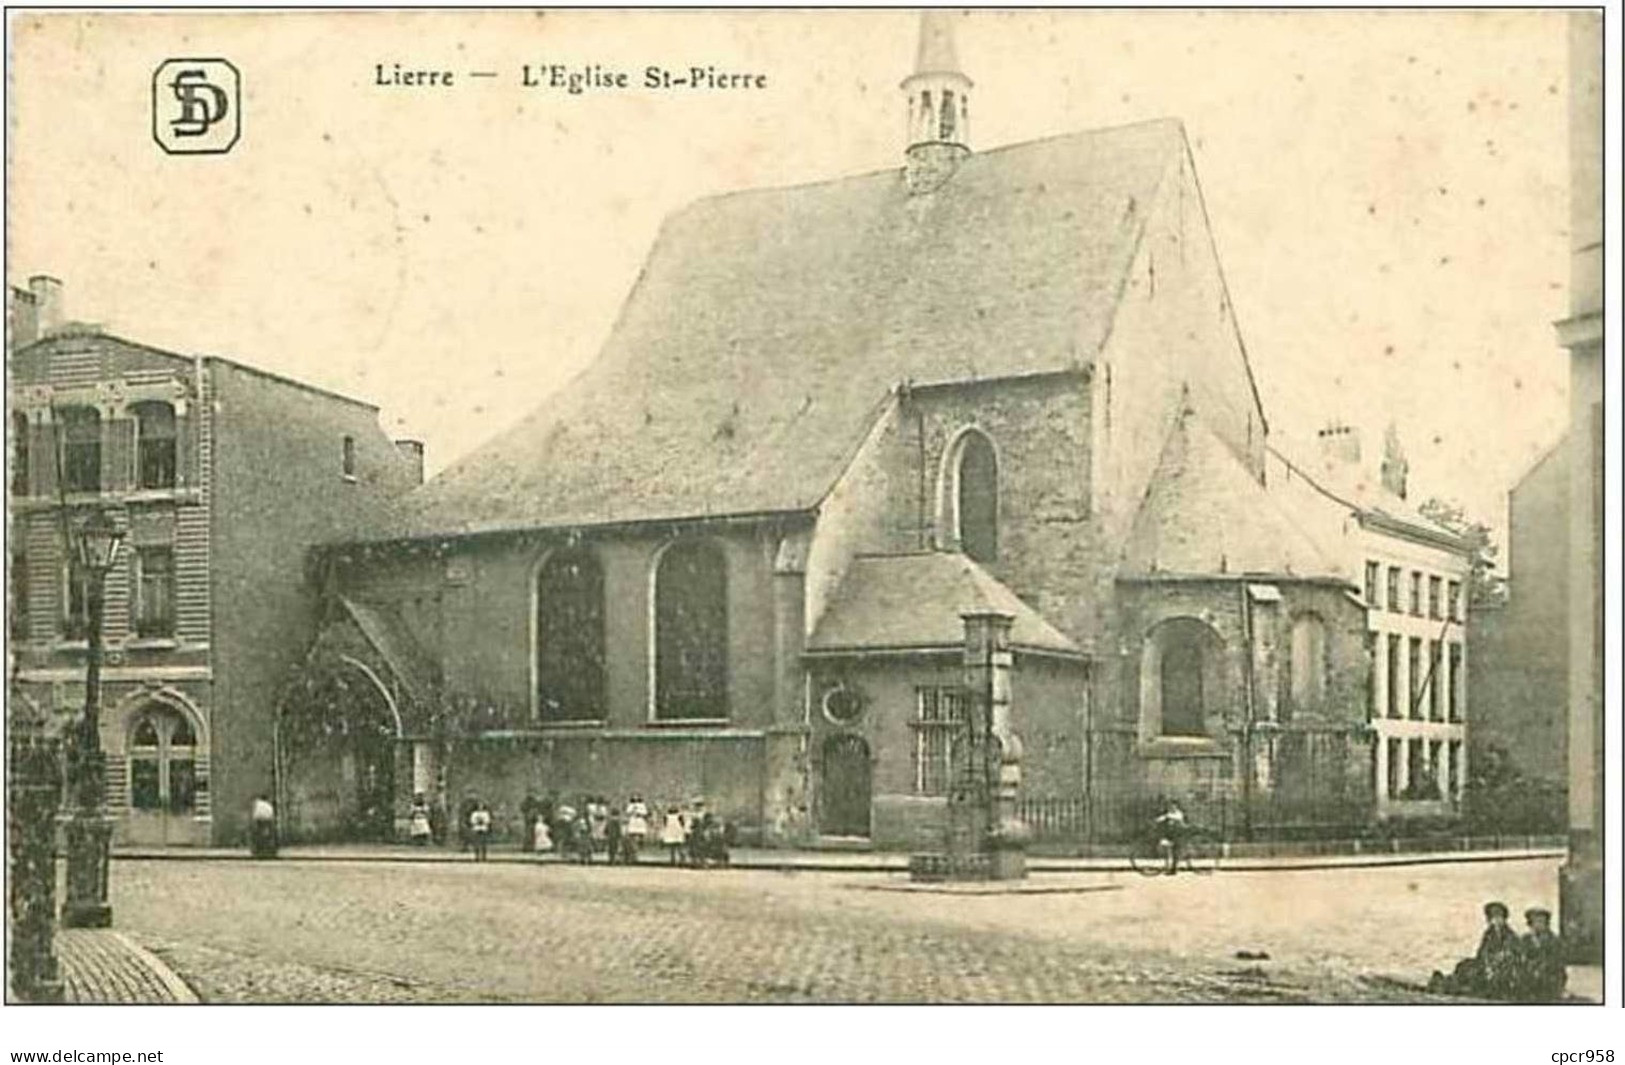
95,545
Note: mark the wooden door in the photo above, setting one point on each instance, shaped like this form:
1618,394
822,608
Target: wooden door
846,785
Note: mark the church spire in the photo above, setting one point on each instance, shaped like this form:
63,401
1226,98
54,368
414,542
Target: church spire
938,101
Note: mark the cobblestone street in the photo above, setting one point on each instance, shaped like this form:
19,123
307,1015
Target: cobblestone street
447,932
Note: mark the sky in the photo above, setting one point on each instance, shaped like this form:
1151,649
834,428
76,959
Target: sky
1388,192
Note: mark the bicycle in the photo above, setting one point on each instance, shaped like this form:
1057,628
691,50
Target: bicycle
1200,854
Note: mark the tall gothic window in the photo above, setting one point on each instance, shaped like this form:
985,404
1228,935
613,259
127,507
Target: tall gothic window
691,632
570,638
977,498
155,444
81,448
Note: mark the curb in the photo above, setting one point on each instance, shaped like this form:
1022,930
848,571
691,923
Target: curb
179,991
898,865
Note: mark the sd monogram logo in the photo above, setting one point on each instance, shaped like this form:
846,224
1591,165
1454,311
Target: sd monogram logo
196,106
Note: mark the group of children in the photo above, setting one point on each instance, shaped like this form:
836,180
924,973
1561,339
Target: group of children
585,828
1510,967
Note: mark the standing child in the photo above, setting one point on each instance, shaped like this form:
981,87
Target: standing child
479,830
673,835
421,830
637,827
614,836
541,838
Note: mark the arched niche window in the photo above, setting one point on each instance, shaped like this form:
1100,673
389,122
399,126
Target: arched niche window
570,638
19,454
1181,679
691,632
155,444
949,118
972,497
81,429
1308,663
163,761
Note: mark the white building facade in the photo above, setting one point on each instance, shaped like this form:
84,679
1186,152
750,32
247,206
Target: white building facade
1414,577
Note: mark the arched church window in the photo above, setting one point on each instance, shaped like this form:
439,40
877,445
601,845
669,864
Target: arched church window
691,632
928,115
977,498
1308,663
1181,659
570,638
946,131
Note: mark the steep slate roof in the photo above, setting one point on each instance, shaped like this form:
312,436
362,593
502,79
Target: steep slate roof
768,326
1205,515
914,602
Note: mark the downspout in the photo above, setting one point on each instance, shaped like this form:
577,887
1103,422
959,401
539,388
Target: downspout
1247,712
1089,756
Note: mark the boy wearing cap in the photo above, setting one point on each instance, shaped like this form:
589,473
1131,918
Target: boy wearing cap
1542,976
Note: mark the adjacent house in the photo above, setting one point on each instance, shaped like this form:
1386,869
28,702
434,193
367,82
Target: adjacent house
221,477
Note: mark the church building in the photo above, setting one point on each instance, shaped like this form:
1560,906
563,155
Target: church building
731,559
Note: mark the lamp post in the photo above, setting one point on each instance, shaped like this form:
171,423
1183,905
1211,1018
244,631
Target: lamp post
95,545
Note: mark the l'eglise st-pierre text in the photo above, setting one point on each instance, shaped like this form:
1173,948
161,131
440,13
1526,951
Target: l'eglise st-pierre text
593,76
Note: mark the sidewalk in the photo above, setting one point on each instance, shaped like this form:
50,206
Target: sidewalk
101,966
823,861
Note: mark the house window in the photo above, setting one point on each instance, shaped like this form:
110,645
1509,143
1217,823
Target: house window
1416,593
347,458
155,592
570,638
1415,664
1372,571
163,762
75,611
1308,663
976,498
1457,770
938,720
1455,601
1393,676
18,591
1434,655
1435,584
19,454
691,632
1420,786
81,449
1454,684
1371,652
155,444
1395,747
1393,589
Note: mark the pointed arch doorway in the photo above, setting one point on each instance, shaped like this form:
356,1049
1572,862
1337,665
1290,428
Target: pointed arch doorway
845,786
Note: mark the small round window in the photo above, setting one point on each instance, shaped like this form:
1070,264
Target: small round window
842,705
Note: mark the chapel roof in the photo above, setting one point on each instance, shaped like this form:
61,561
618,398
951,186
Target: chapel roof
915,602
1206,515
768,327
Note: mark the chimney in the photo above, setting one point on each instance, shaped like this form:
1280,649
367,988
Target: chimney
412,452
1395,468
22,318
47,293
1339,444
